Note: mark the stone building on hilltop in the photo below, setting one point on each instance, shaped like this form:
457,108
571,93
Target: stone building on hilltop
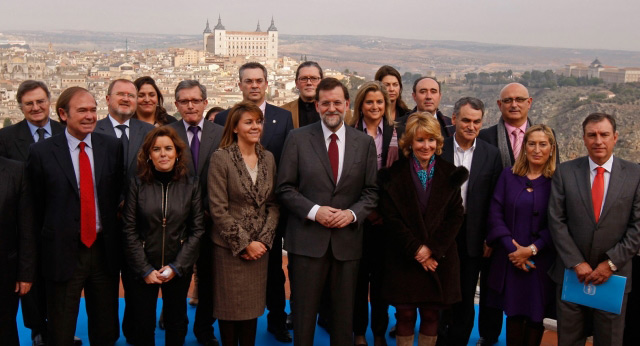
222,42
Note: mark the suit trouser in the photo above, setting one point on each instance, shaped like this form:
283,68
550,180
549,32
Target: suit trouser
577,322
144,298
276,279
308,276
369,286
489,318
8,306
632,320
463,312
101,298
203,323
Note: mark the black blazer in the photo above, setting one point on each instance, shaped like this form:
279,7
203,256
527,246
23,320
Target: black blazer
446,127
277,125
485,170
387,134
57,201
16,139
18,252
137,131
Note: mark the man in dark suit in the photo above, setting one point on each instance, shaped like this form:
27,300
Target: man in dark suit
77,182
327,181
276,126
203,138
427,94
594,219
34,100
122,103
18,249
482,160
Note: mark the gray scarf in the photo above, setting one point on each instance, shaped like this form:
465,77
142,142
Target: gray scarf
504,144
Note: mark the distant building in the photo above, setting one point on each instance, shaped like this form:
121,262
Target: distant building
609,74
241,43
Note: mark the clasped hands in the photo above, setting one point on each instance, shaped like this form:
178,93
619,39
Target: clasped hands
164,274
520,257
423,256
254,251
333,218
597,276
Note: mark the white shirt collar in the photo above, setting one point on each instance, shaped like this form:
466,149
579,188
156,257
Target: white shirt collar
263,107
340,133
607,165
187,125
458,148
115,123
74,142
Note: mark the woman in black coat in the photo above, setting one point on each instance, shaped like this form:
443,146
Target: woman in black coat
422,211
163,223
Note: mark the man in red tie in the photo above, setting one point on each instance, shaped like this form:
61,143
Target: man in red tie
327,181
594,219
77,178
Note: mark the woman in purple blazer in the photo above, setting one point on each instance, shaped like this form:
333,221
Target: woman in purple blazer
523,251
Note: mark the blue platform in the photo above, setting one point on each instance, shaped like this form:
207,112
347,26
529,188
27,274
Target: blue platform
263,338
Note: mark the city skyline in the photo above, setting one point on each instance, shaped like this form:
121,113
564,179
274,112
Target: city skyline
547,23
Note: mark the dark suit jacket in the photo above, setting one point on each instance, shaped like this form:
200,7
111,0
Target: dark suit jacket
209,142
485,170
306,179
18,252
277,125
16,139
137,131
446,127
57,201
577,236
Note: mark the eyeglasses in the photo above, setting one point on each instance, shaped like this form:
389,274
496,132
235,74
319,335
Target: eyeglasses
327,104
186,102
309,79
509,100
123,95
39,103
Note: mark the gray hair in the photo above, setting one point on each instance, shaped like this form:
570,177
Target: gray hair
473,102
190,83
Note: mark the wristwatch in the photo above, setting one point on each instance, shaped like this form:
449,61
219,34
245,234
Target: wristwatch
612,266
533,249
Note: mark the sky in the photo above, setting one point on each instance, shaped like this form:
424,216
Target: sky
587,24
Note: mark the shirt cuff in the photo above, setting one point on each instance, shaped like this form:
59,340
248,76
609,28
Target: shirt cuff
312,213
354,216
175,270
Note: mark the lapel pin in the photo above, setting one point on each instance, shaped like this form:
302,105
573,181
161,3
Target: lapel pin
274,121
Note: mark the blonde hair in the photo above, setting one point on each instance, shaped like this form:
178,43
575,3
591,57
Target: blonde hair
362,94
521,167
421,122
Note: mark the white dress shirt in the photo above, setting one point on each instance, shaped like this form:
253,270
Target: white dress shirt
115,123
464,158
74,149
189,133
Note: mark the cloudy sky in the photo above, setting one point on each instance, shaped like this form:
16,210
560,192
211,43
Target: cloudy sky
609,24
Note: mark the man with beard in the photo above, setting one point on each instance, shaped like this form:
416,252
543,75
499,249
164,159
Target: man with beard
327,181
122,102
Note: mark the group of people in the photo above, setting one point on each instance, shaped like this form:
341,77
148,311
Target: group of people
383,205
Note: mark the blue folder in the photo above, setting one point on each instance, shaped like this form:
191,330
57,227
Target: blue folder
607,296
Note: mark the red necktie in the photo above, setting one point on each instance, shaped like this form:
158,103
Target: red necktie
597,192
87,200
334,156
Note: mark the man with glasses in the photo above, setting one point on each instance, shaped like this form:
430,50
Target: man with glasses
327,181
34,101
277,124
303,110
202,137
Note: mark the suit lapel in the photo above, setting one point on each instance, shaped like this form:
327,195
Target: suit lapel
268,127
24,139
135,139
319,146
583,181
182,133
99,153
387,134
616,182
206,144
477,163
104,126
63,156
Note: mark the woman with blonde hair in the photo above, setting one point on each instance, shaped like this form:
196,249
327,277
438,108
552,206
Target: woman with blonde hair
421,206
523,249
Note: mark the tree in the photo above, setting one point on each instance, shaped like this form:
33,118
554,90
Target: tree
7,122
